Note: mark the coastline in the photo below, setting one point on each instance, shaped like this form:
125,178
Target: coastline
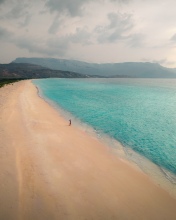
53,171
159,175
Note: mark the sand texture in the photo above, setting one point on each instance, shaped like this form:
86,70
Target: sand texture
49,170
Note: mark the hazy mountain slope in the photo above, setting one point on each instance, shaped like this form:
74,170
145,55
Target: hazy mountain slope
143,70
31,71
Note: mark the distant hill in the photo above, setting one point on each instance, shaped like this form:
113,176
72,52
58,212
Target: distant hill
32,71
130,69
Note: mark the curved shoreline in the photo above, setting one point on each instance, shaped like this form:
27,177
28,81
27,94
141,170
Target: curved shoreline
60,172
159,175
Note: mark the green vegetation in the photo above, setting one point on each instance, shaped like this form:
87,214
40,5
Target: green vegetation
31,71
3,82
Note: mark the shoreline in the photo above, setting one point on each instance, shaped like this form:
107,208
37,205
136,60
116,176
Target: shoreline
161,177
55,171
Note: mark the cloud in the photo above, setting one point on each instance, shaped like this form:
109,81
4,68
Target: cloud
136,40
81,36
50,47
18,9
55,45
19,12
122,21
55,25
168,63
116,29
26,21
162,62
173,38
4,34
121,1
73,7
87,28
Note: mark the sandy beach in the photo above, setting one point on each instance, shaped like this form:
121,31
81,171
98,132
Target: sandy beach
49,170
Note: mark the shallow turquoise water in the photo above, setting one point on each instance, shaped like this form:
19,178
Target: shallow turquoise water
139,113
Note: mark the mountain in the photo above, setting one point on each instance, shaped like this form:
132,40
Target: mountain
129,69
32,71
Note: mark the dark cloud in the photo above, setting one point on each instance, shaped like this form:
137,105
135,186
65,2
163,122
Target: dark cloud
54,46
18,9
121,21
2,1
119,28
4,34
119,25
19,12
55,25
73,7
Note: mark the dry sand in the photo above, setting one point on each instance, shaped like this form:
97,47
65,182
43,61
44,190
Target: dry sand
49,170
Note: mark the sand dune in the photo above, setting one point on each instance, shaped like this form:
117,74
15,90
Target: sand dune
49,170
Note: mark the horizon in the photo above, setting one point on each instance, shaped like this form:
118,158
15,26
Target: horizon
102,31
85,61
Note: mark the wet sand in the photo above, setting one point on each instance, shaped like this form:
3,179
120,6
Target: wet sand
49,170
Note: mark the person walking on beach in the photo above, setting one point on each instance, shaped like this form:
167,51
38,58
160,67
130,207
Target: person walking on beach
70,122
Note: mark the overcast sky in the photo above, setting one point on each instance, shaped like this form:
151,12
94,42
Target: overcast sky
89,30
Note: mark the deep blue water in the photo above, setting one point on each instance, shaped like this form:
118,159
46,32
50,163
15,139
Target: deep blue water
139,113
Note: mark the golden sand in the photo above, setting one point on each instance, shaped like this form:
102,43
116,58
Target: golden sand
49,170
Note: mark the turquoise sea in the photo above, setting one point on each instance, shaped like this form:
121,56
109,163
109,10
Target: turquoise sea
139,113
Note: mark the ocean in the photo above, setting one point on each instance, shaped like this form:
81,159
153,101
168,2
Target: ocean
138,113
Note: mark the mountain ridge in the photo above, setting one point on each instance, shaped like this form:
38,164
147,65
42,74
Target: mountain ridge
127,69
32,71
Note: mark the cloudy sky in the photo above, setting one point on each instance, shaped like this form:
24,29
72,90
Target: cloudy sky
89,30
